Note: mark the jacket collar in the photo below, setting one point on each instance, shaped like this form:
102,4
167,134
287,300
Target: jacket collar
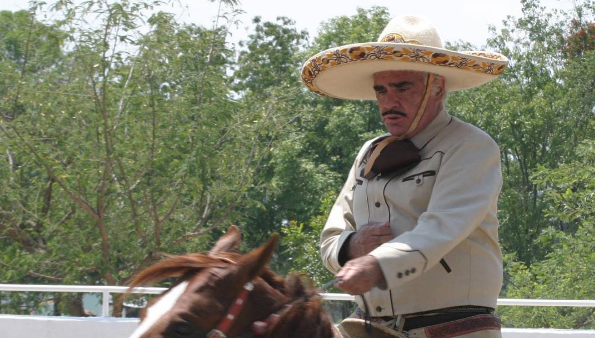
438,123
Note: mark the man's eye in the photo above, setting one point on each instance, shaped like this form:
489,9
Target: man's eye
379,89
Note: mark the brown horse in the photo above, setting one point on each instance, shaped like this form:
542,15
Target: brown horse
225,294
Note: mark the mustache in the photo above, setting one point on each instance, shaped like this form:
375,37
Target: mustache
393,112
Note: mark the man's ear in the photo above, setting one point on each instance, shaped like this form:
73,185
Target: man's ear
439,87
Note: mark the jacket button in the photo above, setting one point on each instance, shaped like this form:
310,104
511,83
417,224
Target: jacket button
378,309
406,272
377,204
413,270
400,275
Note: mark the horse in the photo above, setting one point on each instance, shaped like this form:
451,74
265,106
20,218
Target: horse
226,294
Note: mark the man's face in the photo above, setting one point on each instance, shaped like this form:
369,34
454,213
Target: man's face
399,95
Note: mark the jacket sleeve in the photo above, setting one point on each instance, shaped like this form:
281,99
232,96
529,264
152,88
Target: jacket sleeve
466,190
340,223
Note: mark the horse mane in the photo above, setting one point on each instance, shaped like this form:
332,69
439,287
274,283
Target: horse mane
304,316
184,265
178,266
293,286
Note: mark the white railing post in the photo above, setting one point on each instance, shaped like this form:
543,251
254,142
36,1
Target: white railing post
105,304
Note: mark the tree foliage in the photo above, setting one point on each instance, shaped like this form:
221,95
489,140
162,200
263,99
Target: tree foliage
269,59
128,146
566,272
313,156
533,112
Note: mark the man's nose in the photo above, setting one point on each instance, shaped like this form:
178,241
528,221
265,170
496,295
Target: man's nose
387,102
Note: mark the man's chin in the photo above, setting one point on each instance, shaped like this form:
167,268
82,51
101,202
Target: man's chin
396,132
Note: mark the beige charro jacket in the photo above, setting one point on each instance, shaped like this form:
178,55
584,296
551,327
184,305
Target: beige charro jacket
443,208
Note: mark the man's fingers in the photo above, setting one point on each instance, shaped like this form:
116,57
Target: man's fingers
379,232
374,240
359,276
368,238
379,238
362,245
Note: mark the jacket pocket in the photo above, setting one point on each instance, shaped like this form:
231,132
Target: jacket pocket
419,177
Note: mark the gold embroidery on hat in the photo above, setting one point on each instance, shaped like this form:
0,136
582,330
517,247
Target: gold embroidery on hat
485,55
398,38
331,59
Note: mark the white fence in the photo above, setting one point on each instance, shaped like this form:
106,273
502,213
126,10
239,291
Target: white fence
12,326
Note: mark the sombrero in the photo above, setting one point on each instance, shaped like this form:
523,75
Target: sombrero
407,43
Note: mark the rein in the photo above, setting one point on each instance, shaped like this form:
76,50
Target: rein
367,320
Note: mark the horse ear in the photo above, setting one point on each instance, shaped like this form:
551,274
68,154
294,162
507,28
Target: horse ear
252,263
229,242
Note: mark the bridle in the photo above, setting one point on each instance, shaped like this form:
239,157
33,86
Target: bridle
232,313
259,328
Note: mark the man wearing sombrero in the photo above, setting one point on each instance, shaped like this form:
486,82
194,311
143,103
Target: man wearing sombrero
414,231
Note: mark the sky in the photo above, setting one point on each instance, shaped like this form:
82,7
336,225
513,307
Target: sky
466,20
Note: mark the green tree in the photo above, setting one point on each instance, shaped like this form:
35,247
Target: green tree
365,26
269,57
130,145
266,76
302,248
566,272
540,113
530,114
314,154
581,36
27,47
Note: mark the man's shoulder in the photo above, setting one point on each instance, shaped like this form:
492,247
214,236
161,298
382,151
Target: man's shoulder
460,136
461,131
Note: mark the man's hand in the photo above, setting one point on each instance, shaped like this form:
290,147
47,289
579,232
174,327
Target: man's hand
368,238
359,275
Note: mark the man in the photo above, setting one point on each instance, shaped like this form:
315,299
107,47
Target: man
414,231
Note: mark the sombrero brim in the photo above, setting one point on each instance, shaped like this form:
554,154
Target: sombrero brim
347,72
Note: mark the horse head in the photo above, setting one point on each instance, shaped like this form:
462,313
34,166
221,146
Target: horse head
226,294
